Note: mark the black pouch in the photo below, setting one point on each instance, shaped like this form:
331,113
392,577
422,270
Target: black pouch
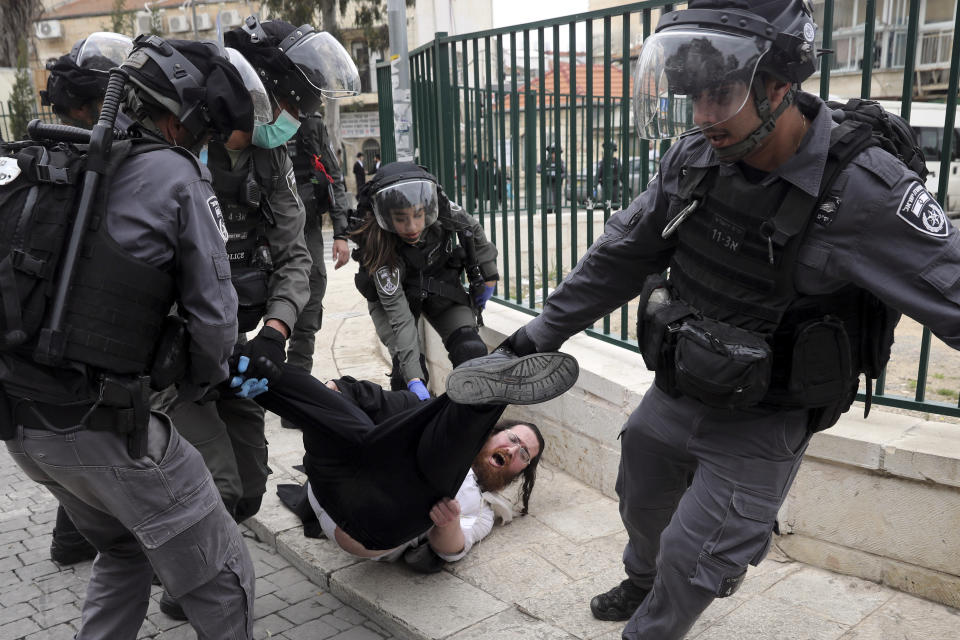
656,322
721,365
252,291
820,365
172,356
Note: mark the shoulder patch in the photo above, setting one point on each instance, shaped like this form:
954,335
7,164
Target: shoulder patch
922,212
388,279
292,186
214,205
9,170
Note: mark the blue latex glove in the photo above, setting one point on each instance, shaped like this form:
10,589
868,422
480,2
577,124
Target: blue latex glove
419,388
482,297
247,387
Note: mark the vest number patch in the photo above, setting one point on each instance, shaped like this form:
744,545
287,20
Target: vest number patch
726,234
922,212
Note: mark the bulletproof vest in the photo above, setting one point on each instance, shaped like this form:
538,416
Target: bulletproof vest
116,307
239,196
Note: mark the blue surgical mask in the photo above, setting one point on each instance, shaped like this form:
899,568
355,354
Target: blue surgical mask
269,136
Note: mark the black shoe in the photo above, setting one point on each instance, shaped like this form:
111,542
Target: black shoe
286,424
423,559
619,603
67,553
170,607
505,378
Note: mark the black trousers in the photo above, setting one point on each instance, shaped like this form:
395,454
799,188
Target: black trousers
379,460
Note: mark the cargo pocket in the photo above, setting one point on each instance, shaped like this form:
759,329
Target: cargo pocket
742,538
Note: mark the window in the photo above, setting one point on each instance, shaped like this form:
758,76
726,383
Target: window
361,55
939,11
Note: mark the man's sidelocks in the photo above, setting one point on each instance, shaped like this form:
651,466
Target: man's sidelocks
505,378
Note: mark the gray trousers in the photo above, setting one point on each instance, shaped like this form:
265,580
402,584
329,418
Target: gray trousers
159,513
699,491
303,338
229,434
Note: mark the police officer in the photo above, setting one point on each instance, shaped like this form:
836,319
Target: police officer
772,307
554,173
83,429
75,89
608,174
409,265
78,79
321,186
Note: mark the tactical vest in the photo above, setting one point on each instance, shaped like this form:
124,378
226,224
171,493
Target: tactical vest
239,194
431,270
739,334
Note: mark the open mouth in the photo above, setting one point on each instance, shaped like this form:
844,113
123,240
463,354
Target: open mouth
498,459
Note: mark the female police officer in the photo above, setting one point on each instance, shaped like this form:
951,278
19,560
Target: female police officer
409,265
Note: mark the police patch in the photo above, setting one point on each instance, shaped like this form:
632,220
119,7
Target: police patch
292,185
923,212
214,206
388,280
9,170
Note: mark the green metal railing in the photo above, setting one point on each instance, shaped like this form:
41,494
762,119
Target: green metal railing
38,111
488,105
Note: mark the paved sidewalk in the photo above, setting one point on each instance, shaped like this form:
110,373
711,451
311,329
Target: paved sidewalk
531,579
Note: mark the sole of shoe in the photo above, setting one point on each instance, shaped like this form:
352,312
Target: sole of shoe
529,379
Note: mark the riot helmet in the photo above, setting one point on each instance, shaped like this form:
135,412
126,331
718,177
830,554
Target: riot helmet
262,111
297,64
708,58
404,198
80,78
193,81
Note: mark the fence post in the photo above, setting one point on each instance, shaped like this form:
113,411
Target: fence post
388,142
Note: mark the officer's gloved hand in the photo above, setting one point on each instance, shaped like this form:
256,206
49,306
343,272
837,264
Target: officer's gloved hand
247,387
267,352
416,385
483,296
519,343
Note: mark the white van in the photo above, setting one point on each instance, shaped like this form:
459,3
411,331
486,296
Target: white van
927,119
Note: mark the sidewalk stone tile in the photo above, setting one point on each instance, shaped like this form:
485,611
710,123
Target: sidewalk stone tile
265,605
262,586
18,593
512,625
435,605
508,575
569,606
350,615
55,599
18,628
270,626
36,570
358,633
336,622
303,612
10,563
50,617
841,598
59,631
313,630
585,522
761,617
908,618
16,612
285,577
298,591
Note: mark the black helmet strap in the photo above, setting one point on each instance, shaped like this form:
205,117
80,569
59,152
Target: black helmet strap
768,122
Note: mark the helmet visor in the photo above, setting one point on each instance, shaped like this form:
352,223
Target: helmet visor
262,111
103,45
691,79
406,208
325,65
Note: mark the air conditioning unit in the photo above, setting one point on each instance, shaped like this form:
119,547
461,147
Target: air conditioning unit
204,22
178,24
144,22
230,18
49,29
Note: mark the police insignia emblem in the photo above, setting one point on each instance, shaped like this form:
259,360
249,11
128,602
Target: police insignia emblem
388,280
923,212
217,214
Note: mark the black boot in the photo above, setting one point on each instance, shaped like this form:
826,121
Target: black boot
171,607
505,378
68,545
619,603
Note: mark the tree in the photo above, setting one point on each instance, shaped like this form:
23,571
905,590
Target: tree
121,20
370,16
22,100
16,17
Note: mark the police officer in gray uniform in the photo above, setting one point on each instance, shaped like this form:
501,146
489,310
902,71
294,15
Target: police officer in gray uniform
155,509
409,265
777,297
322,190
75,89
269,261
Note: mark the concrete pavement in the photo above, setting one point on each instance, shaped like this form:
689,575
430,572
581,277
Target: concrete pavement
531,579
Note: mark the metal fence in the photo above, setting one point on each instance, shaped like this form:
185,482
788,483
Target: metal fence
488,107
6,130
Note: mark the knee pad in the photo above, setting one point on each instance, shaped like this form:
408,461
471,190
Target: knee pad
464,344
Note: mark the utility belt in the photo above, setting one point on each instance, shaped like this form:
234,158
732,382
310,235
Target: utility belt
428,286
728,367
122,405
